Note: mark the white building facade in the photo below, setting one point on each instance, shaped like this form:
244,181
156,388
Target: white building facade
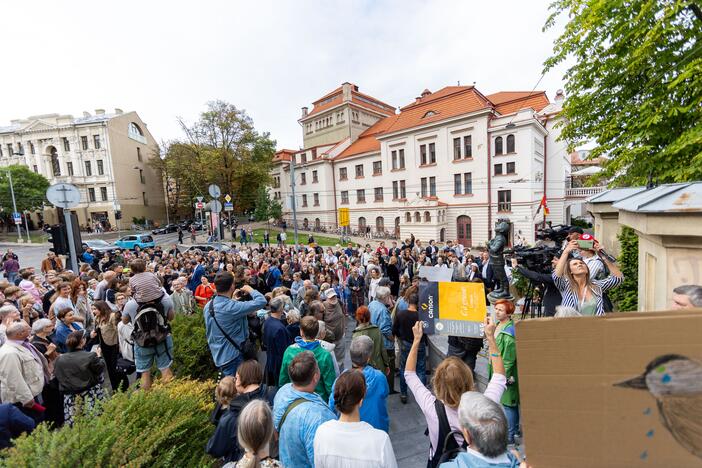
446,166
105,155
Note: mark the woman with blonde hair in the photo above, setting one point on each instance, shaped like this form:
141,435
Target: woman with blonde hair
451,379
254,431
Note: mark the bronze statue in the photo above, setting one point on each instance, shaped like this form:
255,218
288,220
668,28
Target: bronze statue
496,247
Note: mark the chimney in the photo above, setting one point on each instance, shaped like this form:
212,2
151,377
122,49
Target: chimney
86,114
346,91
99,111
426,92
560,95
417,99
118,111
304,112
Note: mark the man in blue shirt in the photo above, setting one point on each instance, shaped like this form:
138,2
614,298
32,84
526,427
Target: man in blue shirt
380,317
225,321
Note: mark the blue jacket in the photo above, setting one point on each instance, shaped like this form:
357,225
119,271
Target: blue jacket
88,257
13,422
471,459
196,278
61,333
374,409
276,339
380,317
274,279
296,437
231,316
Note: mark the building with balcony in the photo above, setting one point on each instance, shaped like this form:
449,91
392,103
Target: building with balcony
445,166
105,155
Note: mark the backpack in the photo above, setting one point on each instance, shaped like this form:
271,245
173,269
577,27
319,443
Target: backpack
448,448
150,324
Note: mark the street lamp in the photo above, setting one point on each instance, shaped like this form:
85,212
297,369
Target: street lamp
14,203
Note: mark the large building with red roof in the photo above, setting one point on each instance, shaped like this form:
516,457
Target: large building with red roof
445,166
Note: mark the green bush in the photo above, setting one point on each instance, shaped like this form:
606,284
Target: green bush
626,296
167,426
191,354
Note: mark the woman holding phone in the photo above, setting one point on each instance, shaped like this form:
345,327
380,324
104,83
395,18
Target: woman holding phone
572,278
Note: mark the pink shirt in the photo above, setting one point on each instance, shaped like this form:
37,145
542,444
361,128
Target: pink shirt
425,399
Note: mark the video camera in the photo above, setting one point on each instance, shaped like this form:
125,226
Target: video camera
556,233
536,259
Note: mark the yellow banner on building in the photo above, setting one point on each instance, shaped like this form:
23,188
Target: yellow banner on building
344,218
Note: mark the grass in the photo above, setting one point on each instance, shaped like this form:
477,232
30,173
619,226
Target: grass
37,237
321,240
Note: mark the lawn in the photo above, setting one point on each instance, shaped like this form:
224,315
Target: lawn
37,237
321,240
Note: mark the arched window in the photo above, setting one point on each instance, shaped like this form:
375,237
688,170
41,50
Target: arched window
380,224
463,227
55,166
498,145
442,235
397,226
510,143
427,217
417,217
305,223
361,223
317,223
408,217
135,133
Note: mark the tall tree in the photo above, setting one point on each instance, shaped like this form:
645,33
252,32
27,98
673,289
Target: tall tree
29,187
635,87
266,207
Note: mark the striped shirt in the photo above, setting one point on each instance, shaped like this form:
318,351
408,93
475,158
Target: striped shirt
570,297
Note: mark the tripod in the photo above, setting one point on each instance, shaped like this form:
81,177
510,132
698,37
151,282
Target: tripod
531,308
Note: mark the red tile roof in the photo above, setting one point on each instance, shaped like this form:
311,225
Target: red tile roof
508,102
335,98
283,155
576,160
367,142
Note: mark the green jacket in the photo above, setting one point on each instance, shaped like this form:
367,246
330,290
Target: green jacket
379,360
507,345
324,361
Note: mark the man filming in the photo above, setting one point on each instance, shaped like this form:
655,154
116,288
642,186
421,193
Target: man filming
551,296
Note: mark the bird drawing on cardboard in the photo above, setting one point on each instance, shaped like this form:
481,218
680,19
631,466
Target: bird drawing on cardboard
676,383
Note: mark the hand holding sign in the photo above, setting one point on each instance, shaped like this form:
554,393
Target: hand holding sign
418,331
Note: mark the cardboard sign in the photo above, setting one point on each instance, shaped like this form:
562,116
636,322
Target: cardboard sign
621,390
456,309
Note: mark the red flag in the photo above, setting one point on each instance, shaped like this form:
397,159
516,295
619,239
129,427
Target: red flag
543,205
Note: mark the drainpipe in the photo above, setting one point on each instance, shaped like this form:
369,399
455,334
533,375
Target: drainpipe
336,213
543,223
489,177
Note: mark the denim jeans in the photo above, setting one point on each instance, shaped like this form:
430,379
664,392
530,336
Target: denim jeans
421,365
231,367
512,413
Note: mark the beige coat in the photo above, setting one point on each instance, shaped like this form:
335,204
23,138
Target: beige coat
21,376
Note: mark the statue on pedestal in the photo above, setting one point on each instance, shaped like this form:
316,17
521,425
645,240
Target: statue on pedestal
496,247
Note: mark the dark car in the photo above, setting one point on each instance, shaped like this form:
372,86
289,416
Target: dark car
99,245
168,228
198,226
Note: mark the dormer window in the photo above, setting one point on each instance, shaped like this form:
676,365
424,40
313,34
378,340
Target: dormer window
430,113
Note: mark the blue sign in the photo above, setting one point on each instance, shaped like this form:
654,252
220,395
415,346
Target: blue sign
228,206
17,217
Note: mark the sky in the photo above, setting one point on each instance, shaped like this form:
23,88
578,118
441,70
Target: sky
168,59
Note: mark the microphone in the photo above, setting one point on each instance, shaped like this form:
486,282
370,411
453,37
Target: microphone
609,257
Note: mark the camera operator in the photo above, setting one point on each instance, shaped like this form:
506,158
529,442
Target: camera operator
551,297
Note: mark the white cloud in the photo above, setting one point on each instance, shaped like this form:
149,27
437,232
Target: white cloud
167,59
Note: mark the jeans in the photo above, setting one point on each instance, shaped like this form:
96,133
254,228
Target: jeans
512,413
391,373
421,365
230,368
12,277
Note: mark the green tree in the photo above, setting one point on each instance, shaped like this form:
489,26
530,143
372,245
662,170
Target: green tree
29,187
635,86
266,207
626,295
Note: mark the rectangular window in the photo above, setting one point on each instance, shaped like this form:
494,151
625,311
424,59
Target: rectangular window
403,190
395,190
303,178
103,193
394,160
468,146
377,168
10,149
84,142
379,194
141,176
138,154
100,167
510,169
31,148
88,169
344,197
303,158
504,200
423,155
401,154
66,144
69,168
20,148
315,179
498,169
304,200
360,196
432,186
457,184
96,141
36,169
432,153
91,194
315,197
468,183
359,171
424,186
342,173
0,150
144,199
456,149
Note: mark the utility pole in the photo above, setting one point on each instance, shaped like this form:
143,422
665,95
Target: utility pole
292,184
14,205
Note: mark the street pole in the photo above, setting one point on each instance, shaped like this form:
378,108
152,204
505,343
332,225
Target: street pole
26,226
292,183
71,244
14,205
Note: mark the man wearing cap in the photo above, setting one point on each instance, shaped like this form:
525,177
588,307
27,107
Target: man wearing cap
335,321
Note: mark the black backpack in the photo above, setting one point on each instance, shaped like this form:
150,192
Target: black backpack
150,324
448,448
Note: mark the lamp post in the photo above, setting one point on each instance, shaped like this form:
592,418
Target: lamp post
14,204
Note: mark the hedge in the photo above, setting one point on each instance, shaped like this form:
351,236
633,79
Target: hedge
626,296
167,426
191,354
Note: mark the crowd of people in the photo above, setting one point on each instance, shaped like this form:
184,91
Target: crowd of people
277,320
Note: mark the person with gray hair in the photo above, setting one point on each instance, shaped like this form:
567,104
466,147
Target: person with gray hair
374,409
484,427
687,296
8,315
276,339
380,317
21,369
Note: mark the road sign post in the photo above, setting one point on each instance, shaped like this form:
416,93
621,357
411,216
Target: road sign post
66,196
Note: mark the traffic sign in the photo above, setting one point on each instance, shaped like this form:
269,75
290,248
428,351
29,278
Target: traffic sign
214,190
17,217
215,206
63,195
199,205
199,199
228,206
227,198
344,218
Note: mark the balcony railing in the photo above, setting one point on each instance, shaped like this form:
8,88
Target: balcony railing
584,192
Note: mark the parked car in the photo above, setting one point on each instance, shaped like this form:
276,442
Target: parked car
207,247
99,245
198,225
168,228
144,241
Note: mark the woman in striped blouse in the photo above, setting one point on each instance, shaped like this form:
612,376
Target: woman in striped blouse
572,278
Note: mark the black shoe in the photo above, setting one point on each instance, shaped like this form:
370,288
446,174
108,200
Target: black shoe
394,392
403,399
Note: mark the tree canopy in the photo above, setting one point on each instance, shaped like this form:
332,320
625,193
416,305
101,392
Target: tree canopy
267,208
30,188
635,88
